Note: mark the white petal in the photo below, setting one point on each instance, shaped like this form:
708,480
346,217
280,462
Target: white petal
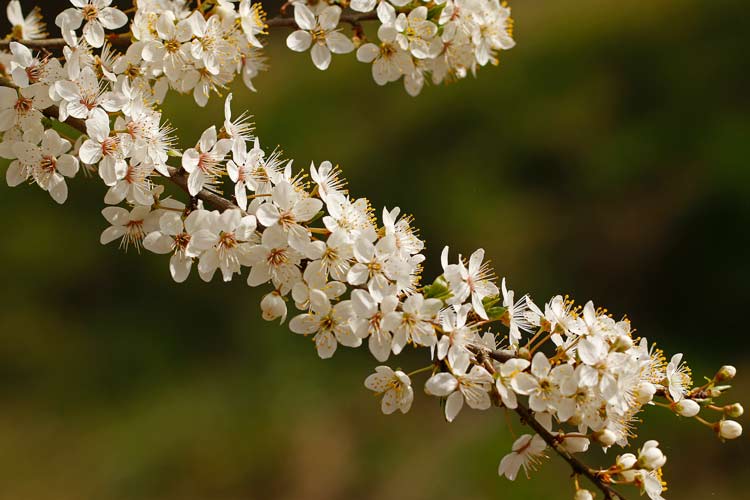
304,17
339,43
453,405
321,56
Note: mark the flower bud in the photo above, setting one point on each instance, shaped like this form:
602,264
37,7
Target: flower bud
735,411
686,408
644,393
728,429
622,343
273,306
605,437
714,392
583,495
651,457
575,444
725,373
626,461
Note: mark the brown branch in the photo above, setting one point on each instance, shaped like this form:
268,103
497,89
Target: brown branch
122,40
578,467
500,356
527,417
178,177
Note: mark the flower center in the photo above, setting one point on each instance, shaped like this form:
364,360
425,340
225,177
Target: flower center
34,73
90,12
172,46
48,164
227,241
23,105
318,35
110,145
277,257
181,241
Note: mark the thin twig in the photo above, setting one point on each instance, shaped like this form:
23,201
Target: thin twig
527,416
578,467
122,40
498,355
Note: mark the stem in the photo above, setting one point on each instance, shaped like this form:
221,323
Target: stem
498,355
578,467
421,370
122,40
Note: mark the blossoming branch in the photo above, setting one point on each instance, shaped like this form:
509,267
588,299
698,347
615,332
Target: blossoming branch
577,376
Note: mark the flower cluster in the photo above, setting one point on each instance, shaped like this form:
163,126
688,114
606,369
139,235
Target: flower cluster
434,41
354,279
343,273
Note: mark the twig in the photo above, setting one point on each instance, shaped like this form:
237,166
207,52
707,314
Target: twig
498,355
577,466
177,176
121,40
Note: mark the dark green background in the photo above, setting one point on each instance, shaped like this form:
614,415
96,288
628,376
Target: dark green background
606,158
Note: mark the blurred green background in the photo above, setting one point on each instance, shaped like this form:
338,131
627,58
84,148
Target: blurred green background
606,158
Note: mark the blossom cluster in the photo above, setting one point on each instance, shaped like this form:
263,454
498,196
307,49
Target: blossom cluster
340,271
419,41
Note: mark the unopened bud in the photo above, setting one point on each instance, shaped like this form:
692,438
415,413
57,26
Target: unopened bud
686,408
605,437
644,393
622,343
651,457
735,411
273,306
728,429
713,392
583,495
575,444
725,373
626,461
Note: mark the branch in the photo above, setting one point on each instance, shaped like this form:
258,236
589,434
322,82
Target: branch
178,177
499,355
122,40
577,466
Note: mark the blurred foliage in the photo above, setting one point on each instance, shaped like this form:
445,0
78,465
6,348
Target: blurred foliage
605,158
